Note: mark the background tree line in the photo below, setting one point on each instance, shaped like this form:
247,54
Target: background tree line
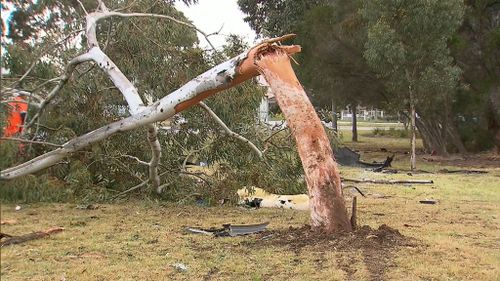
442,57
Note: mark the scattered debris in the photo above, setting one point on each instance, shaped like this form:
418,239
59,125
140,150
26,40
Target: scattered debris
27,237
355,187
428,201
259,198
446,171
3,235
347,157
379,196
180,267
231,230
8,222
389,171
254,203
388,181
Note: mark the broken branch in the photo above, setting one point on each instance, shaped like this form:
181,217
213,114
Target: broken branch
229,131
28,237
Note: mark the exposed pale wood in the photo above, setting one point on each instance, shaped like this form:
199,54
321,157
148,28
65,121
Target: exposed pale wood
328,211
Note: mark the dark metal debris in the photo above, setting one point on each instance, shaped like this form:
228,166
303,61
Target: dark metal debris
428,201
230,230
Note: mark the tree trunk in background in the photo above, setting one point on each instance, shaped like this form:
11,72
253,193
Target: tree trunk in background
494,118
432,135
354,111
334,119
439,134
328,211
451,131
413,160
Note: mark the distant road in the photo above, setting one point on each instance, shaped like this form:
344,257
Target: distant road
346,126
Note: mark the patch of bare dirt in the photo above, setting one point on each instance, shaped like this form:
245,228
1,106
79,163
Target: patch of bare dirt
378,246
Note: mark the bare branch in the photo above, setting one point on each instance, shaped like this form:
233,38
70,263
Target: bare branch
130,189
83,7
44,52
136,159
229,131
63,80
102,15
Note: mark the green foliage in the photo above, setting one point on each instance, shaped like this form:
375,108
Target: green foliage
276,17
476,47
407,44
89,101
331,64
32,189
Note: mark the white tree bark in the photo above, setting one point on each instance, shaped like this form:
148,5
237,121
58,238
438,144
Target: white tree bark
220,77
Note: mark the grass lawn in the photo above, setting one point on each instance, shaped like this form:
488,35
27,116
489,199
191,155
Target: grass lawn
456,239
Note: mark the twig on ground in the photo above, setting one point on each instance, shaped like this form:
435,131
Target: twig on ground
27,237
388,181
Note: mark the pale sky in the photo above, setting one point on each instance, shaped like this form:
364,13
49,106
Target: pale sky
210,15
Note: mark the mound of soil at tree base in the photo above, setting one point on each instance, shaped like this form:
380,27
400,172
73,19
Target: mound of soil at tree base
377,246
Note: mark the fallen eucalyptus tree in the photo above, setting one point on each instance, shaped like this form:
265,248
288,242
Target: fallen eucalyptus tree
328,212
223,76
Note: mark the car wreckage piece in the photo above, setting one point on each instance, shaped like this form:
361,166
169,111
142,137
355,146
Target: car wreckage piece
230,230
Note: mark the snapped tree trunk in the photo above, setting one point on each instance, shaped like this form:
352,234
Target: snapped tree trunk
355,122
328,210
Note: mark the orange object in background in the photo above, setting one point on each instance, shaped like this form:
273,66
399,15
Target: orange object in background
15,119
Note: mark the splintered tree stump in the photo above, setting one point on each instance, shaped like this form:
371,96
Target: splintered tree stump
328,210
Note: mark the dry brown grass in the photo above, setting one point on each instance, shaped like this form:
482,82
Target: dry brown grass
457,239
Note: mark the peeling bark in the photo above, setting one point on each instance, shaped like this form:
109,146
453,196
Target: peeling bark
328,211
